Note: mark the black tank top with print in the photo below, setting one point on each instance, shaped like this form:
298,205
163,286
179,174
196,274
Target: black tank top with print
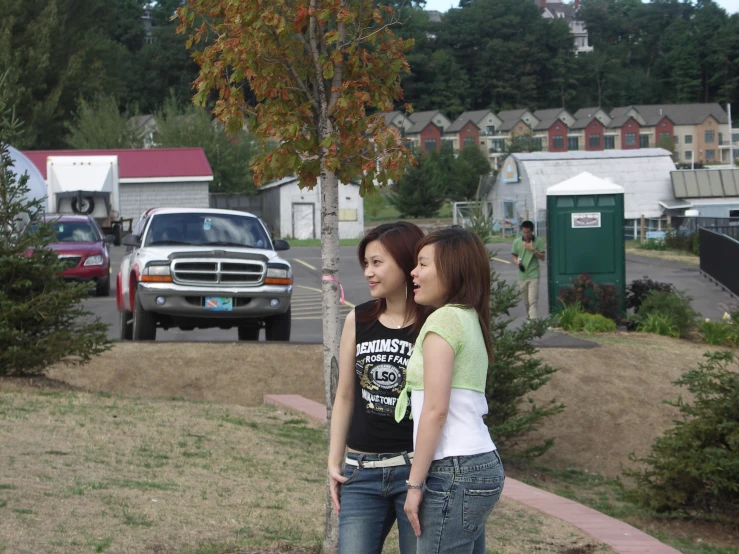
380,365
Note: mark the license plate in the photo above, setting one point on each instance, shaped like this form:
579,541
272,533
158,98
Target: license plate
219,303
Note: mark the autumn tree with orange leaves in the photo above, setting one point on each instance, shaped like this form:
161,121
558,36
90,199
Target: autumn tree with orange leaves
316,68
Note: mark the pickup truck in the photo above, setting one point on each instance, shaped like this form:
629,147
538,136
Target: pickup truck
192,268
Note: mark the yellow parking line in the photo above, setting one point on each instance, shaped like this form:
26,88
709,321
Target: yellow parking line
306,264
346,302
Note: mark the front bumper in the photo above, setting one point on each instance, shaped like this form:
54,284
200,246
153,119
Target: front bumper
97,273
185,301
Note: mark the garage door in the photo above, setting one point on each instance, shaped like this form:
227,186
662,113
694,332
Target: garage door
303,223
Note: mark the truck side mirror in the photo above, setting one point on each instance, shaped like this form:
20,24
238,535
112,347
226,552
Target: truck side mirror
109,239
281,244
132,240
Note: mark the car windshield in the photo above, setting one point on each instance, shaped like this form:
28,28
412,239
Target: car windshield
206,229
74,231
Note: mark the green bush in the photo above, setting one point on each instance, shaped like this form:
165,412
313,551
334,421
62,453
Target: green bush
638,289
515,373
573,318
42,318
674,307
658,324
652,244
694,466
681,240
719,333
594,298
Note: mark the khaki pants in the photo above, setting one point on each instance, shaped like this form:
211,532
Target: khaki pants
530,293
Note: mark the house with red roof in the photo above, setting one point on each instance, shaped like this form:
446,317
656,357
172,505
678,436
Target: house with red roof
150,178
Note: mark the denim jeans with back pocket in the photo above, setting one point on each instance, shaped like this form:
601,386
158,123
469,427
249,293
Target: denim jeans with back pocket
459,494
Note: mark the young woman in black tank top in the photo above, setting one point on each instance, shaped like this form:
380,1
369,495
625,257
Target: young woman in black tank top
370,456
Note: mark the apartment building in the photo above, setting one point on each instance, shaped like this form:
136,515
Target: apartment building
693,132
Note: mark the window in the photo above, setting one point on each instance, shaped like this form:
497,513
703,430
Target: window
594,141
509,210
490,130
573,143
676,156
497,145
630,139
720,138
429,145
688,155
710,154
676,140
643,141
688,139
609,142
734,137
469,141
558,142
708,136
536,144
733,213
664,138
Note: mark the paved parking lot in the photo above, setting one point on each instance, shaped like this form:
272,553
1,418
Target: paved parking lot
709,299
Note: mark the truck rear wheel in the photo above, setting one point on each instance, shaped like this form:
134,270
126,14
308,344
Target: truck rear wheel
278,326
126,324
144,323
249,331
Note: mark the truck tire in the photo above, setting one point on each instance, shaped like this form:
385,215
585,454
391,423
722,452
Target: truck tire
277,327
87,206
117,233
249,331
144,323
126,325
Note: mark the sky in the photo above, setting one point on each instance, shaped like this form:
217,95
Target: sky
731,6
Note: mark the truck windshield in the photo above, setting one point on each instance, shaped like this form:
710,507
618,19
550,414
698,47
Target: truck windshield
206,229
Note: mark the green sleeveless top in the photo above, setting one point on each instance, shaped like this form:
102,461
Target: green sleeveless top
460,327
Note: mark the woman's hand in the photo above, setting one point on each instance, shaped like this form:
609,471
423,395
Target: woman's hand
412,505
337,478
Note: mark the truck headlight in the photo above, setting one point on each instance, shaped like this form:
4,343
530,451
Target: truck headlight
278,275
94,260
158,273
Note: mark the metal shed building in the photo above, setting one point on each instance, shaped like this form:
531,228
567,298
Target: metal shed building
518,192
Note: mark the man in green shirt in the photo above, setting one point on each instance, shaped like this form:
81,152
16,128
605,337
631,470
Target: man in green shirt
528,251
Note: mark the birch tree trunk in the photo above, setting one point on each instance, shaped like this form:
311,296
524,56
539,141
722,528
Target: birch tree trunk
330,311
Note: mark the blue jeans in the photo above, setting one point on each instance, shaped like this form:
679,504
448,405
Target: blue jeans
458,495
371,501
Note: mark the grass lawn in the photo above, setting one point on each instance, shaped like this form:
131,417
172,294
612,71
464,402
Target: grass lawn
633,247
84,472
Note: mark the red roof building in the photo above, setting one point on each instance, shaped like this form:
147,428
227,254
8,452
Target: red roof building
154,165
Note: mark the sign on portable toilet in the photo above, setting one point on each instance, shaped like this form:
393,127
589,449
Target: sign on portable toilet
585,224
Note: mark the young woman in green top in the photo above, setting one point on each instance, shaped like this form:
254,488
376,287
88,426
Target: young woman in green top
457,476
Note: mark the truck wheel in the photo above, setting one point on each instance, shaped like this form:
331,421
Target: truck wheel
126,325
278,326
144,323
103,289
86,207
117,233
249,331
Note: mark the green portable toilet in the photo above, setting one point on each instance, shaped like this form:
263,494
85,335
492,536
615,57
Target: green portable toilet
585,234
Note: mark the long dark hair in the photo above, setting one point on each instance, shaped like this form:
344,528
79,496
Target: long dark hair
463,267
399,239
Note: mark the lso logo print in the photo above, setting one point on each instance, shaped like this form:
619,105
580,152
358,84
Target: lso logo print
385,376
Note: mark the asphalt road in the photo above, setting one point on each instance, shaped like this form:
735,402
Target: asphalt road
708,299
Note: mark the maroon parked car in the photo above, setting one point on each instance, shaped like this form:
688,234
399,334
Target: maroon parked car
84,248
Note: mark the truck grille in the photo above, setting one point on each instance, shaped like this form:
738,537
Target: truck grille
210,272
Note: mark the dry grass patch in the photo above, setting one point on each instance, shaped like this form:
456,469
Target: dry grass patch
84,472
670,255
228,373
614,396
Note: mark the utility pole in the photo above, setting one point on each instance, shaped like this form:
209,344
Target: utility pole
731,137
